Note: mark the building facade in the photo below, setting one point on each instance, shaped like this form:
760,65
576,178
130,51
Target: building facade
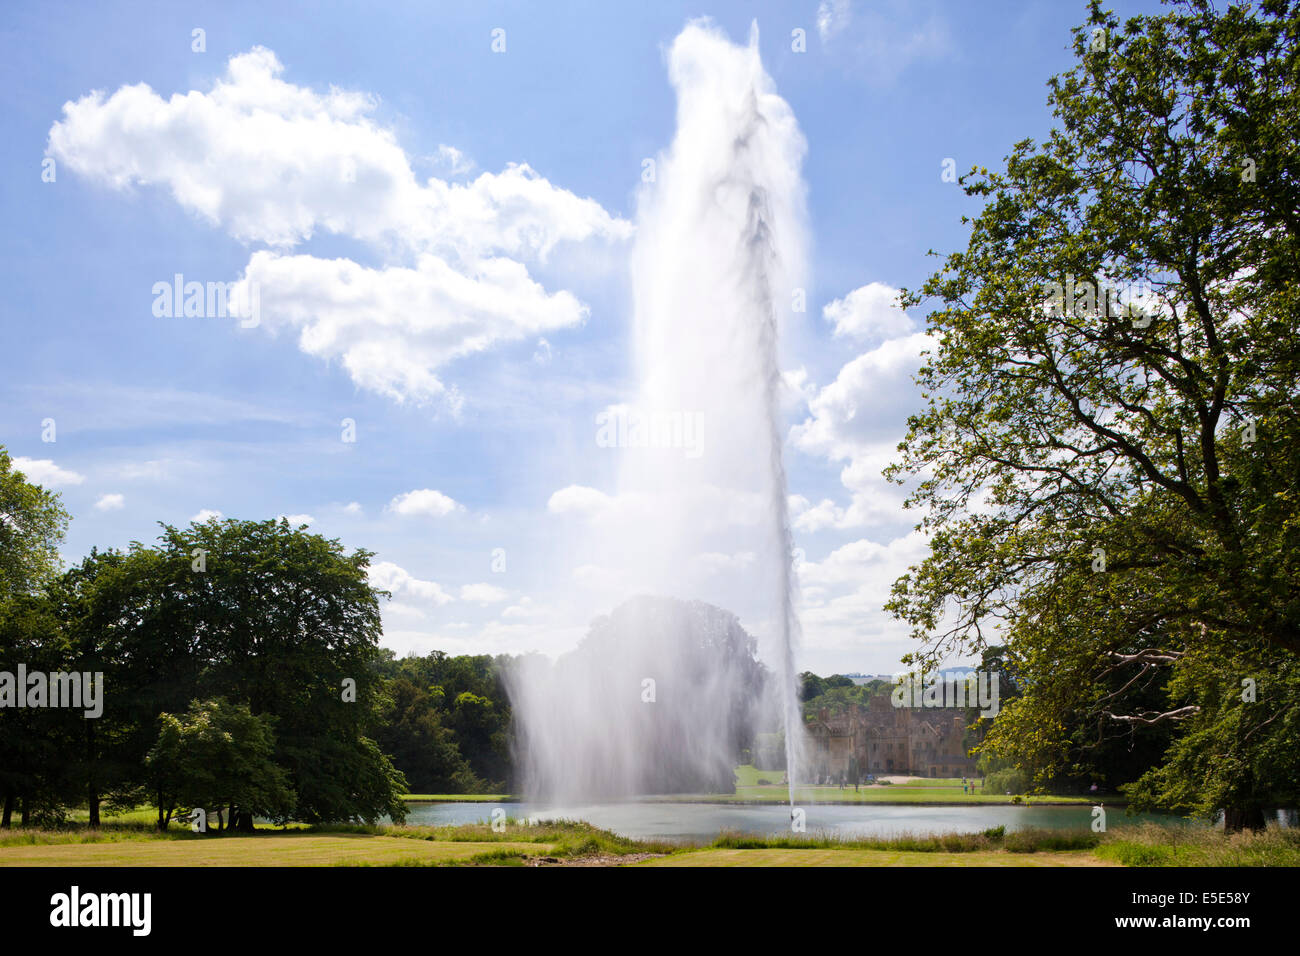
884,739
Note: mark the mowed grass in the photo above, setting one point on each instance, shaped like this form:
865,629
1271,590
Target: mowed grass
922,790
894,794
270,849
130,844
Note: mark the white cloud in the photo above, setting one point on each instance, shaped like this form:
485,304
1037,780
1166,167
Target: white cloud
860,418
810,517
865,563
296,520
43,471
869,312
110,502
205,515
453,160
578,499
483,594
353,508
832,17
405,587
526,610
424,501
392,328
277,163
869,401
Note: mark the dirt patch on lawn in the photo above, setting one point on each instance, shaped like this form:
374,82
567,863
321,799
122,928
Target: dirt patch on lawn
599,859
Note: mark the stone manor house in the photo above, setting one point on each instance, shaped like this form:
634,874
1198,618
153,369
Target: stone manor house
884,739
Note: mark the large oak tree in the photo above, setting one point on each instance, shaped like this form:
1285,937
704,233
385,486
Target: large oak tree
1111,480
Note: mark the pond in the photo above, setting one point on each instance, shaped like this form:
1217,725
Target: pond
703,821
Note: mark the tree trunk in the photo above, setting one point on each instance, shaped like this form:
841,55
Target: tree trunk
246,822
7,819
92,791
26,812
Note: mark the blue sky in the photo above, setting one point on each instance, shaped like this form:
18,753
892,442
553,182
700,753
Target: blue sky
299,147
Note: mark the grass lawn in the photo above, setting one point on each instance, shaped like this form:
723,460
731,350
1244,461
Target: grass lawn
568,842
889,794
921,790
263,849
856,857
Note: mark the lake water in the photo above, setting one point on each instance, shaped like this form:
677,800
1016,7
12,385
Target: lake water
703,821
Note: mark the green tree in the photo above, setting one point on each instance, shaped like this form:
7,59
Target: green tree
811,686
38,746
120,617
421,746
32,524
1110,480
288,623
218,755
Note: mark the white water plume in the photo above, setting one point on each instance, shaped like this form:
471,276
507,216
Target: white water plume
719,252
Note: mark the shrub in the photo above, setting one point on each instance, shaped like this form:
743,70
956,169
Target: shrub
1006,781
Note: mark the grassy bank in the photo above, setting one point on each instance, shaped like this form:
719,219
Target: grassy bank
460,798
135,844
851,857
576,843
890,795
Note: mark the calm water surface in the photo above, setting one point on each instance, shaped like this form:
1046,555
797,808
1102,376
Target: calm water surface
703,821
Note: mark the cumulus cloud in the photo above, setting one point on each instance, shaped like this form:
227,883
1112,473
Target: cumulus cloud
868,403
865,564
43,471
578,499
405,587
297,520
860,417
842,610
110,502
453,160
424,501
869,312
205,515
393,327
275,163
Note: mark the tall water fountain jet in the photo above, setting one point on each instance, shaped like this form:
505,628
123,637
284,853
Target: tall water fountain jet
701,508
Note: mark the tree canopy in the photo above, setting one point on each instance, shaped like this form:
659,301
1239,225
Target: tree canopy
1110,454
